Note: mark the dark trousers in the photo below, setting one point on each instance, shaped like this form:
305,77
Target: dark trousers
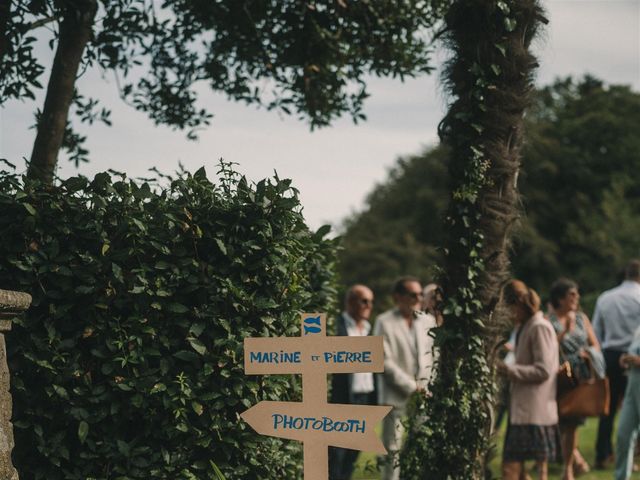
342,461
617,385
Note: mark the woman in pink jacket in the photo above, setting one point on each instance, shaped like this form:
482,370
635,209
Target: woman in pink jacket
532,433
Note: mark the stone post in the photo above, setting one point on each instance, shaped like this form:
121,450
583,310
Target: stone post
11,304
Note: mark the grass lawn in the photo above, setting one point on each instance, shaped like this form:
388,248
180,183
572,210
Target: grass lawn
587,443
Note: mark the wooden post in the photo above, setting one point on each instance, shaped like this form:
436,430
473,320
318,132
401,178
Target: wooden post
314,393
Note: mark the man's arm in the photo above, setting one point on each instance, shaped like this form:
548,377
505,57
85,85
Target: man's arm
598,323
629,360
392,371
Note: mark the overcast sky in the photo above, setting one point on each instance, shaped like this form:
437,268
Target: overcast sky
334,168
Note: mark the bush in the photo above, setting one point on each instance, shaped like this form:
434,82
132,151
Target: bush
129,363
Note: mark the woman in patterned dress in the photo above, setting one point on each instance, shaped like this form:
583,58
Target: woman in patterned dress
575,336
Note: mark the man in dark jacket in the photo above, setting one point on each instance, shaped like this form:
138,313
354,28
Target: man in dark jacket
351,388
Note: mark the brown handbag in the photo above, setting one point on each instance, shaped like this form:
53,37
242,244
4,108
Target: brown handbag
565,380
588,398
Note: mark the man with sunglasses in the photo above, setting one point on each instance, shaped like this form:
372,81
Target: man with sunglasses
355,388
408,359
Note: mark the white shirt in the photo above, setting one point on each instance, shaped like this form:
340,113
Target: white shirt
362,382
617,316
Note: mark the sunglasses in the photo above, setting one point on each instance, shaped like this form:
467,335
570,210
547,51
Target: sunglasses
414,295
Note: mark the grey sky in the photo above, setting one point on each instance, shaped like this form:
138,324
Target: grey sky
336,167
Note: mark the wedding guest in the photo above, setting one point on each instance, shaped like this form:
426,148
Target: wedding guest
532,433
629,421
578,343
408,360
616,318
351,388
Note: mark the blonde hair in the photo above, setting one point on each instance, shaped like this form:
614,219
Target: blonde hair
516,292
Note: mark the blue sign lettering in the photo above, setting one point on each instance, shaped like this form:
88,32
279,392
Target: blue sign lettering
275,357
325,424
347,357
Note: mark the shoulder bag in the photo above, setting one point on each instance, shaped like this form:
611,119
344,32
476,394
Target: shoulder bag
586,398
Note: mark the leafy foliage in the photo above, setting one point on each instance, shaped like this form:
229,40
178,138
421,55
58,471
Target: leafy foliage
581,166
306,58
129,363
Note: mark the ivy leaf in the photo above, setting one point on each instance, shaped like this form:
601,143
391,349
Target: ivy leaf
61,391
197,345
322,231
117,271
510,24
197,329
197,407
83,431
201,174
504,7
29,208
216,470
177,308
123,447
158,387
186,356
221,246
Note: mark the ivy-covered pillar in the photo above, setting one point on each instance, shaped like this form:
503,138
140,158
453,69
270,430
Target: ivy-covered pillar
11,304
489,79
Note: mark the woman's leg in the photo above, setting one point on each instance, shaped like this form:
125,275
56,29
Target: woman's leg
569,439
580,465
541,466
523,473
512,470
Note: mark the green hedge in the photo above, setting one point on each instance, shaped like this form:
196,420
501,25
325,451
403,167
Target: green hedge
129,363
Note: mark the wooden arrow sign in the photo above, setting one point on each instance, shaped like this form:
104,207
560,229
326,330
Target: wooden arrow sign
334,424
313,421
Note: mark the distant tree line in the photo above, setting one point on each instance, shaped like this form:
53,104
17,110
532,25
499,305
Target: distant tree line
580,185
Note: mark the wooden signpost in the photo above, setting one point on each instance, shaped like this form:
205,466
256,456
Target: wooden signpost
313,421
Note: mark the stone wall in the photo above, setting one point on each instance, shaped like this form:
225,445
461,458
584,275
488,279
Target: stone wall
11,304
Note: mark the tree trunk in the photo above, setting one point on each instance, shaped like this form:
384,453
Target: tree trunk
489,79
75,33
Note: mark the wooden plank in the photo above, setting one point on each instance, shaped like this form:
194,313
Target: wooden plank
339,425
288,355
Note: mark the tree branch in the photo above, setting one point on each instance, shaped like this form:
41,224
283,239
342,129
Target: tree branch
43,21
